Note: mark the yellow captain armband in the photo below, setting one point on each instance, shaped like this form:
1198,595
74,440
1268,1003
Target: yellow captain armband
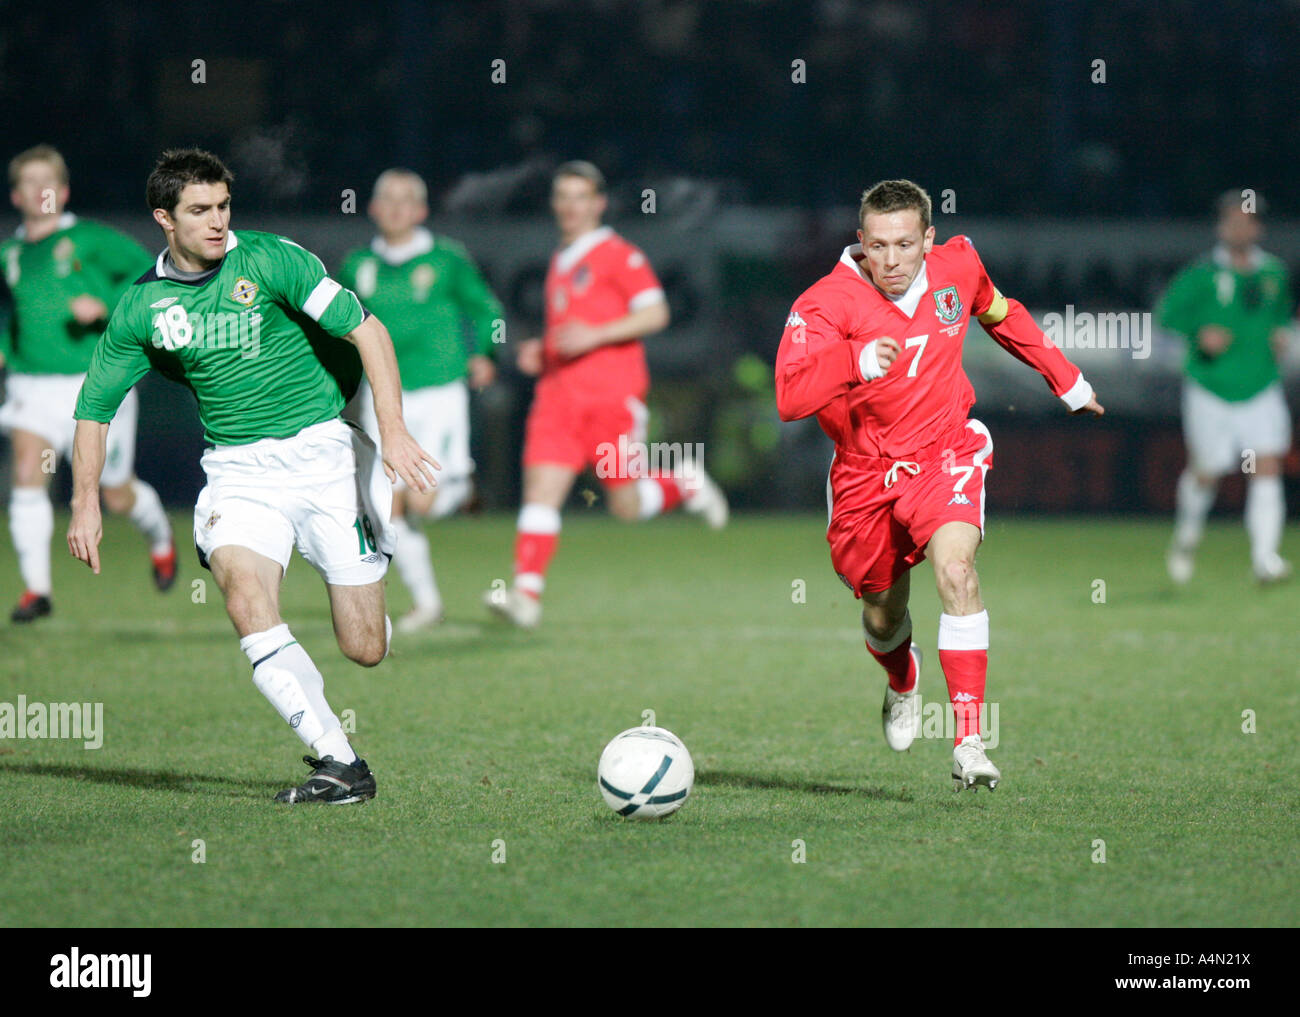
997,309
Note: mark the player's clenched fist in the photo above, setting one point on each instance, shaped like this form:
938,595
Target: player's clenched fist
529,357
403,457
876,357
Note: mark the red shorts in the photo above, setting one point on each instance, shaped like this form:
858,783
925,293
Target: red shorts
568,427
876,532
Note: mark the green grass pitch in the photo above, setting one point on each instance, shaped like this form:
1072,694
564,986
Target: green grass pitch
1120,714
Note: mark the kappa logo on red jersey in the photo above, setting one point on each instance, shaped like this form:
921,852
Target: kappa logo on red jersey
959,499
794,321
947,304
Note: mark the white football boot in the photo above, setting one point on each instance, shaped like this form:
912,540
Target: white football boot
707,500
420,618
1181,563
515,606
901,714
1275,569
971,767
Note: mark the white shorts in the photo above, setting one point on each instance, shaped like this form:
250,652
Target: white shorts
323,490
1218,431
44,403
437,417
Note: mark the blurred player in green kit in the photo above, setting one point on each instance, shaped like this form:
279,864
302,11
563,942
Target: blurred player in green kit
425,288
63,275
1233,306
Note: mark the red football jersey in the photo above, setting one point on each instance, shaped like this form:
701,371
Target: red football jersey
925,392
599,278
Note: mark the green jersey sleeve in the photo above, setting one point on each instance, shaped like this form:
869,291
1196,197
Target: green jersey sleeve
300,283
120,360
1183,306
120,260
478,303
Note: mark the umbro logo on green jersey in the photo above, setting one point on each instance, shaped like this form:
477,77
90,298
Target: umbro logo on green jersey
158,305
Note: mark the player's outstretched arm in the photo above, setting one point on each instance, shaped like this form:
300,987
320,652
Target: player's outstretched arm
86,527
403,456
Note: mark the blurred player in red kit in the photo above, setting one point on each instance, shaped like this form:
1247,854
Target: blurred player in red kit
874,350
589,409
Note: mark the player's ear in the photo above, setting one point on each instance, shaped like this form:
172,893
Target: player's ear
929,239
163,219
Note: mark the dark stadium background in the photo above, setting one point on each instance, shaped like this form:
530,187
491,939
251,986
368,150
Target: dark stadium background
1077,192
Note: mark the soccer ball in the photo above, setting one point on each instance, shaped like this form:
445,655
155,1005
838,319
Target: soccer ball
645,773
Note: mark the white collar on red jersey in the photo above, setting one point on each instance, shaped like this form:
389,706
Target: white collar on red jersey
160,266
906,302
1223,257
421,242
569,256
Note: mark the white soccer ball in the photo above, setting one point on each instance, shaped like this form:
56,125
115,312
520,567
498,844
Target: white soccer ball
645,773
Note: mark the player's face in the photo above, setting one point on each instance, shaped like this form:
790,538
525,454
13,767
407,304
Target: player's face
895,246
577,205
397,207
197,226
39,190
1239,230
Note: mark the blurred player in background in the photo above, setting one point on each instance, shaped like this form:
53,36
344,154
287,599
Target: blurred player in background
425,288
64,276
272,349
602,298
1233,306
874,350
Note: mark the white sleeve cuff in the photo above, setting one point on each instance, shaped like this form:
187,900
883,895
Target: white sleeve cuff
1079,395
646,298
869,364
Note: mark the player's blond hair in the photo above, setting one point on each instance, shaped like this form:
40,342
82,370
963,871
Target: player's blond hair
399,173
894,196
38,153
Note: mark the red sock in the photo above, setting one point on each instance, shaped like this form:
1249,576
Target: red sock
898,663
672,489
535,543
966,671
964,657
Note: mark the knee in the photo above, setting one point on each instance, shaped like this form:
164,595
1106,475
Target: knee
881,623
956,576
622,508
367,647
368,652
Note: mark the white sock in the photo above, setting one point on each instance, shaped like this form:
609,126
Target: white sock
1265,516
1193,503
149,518
650,497
453,492
31,523
411,556
284,673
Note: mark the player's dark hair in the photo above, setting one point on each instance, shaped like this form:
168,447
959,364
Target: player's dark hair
178,168
581,168
894,196
38,153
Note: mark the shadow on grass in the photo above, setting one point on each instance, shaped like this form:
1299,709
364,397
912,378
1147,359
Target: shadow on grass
726,778
149,780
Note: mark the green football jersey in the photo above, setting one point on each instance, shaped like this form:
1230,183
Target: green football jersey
80,258
1249,304
258,340
424,292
